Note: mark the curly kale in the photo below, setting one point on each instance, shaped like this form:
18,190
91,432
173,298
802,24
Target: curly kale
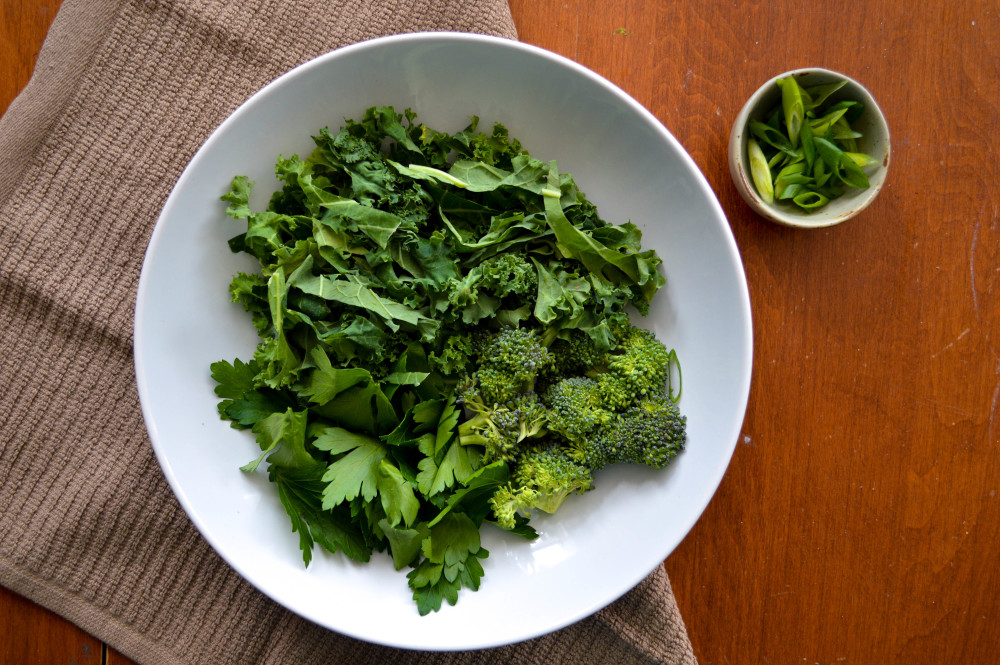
500,286
455,354
509,274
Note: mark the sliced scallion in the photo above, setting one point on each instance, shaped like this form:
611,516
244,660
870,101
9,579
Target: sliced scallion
793,174
794,108
818,94
811,200
804,149
760,172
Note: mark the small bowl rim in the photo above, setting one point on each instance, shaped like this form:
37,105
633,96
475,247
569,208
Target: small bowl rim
861,199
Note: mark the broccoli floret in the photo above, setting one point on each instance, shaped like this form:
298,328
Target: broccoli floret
510,361
507,502
543,477
575,407
620,412
552,474
652,433
594,408
498,397
638,369
501,428
577,354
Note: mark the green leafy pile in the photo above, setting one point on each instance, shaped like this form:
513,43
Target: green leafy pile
444,343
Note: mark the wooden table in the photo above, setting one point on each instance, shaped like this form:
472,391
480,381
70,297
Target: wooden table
859,521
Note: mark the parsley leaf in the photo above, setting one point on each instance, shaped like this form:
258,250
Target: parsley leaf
299,491
396,492
355,471
452,553
457,463
233,379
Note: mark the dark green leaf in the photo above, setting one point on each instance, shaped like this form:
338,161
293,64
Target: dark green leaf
356,472
477,489
325,382
354,294
638,268
233,379
282,437
396,493
300,490
404,543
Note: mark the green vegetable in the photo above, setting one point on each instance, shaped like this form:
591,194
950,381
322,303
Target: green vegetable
791,103
804,151
760,171
445,344
544,477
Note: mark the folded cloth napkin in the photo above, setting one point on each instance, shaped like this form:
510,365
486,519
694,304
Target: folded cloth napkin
123,94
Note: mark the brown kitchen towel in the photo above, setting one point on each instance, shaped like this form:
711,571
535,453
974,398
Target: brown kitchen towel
123,95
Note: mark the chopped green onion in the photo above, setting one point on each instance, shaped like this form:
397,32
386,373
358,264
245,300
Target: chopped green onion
811,200
793,174
861,159
821,126
808,147
791,191
791,102
773,119
820,174
820,93
843,166
673,361
841,131
771,136
852,175
805,150
760,172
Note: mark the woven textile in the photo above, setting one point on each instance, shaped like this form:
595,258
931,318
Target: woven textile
123,95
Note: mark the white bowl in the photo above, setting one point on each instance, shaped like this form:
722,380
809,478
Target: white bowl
600,544
874,142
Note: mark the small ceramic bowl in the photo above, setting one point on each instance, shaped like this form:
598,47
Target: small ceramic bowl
874,142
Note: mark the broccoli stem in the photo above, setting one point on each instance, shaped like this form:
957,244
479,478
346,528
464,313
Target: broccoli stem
468,434
549,336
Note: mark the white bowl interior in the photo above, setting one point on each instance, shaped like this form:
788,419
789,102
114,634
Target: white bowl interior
599,545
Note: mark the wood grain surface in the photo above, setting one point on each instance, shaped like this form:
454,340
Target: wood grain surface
859,521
